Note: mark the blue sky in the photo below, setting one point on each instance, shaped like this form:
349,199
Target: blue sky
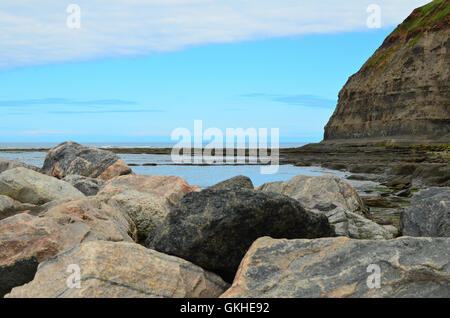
141,90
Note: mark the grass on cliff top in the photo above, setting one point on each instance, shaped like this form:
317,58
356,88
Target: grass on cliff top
421,19
428,15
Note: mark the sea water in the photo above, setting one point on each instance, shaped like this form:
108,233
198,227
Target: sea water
202,176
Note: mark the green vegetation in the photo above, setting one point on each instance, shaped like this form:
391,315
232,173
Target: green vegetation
381,60
431,13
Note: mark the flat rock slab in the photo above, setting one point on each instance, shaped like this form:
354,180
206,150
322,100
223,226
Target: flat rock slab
343,267
72,158
28,186
214,228
120,270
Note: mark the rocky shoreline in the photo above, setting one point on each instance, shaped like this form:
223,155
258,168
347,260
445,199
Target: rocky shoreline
155,236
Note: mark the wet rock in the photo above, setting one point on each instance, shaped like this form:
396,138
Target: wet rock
379,202
343,267
120,270
214,228
428,215
72,158
399,183
28,186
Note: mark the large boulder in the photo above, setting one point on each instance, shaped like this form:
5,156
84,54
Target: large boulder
428,215
145,199
335,198
214,228
6,164
72,158
343,267
120,270
235,183
87,186
28,186
25,238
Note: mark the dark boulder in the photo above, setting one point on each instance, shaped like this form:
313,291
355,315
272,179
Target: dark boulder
235,183
214,228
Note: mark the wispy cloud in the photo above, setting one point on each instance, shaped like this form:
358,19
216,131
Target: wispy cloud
41,132
64,101
296,100
32,34
109,111
71,106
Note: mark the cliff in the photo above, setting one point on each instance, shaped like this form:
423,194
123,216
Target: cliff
402,92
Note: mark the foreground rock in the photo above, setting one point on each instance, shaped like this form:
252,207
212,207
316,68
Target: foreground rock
6,164
331,196
87,186
145,199
235,183
72,158
428,214
28,186
26,239
339,267
118,270
214,228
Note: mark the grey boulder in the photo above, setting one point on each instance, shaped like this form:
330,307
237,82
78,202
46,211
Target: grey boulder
428,214
335,198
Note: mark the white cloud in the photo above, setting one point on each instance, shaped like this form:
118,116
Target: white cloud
32,33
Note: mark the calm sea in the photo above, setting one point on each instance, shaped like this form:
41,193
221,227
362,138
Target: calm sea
202,176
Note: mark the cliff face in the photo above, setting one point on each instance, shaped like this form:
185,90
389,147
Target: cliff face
403,91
